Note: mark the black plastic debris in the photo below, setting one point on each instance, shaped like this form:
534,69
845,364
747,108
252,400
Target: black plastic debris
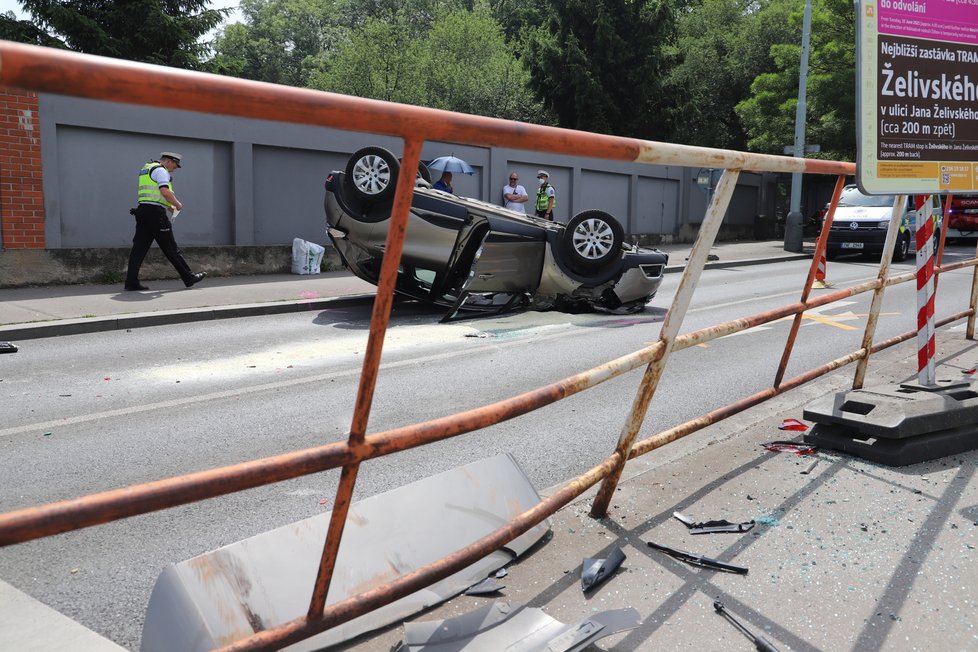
488,585
596,571
8,347
760,642
699,560
712,527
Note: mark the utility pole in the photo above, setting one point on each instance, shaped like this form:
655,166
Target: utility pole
794,222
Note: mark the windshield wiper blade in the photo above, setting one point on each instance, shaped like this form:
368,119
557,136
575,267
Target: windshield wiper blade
699,560
710,527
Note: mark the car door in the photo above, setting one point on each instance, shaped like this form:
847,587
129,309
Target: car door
510,258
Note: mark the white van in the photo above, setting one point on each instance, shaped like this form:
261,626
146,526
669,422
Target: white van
861,221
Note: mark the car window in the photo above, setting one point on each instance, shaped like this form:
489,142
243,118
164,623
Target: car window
852,197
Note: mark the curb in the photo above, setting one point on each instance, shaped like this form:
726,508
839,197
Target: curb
718,264
82,326
167,317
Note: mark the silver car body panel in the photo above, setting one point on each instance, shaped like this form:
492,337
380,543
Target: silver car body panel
514,628
266,580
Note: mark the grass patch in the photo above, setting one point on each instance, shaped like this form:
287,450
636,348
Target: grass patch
109,277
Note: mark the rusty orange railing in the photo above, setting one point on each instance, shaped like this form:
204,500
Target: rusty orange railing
55,71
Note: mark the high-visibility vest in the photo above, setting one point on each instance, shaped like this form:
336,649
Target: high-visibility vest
149,190
543,201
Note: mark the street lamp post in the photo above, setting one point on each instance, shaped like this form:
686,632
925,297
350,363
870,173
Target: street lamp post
794,222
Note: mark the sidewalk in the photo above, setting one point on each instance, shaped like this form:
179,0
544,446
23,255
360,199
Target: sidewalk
848,556
27,313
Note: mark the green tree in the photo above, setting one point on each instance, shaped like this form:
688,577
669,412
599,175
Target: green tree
832,81
769,114
517,16
380,61
165,32
599,65
24,31
722,46
469,68
461,64
281,41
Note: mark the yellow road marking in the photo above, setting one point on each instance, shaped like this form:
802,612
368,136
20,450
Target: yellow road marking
836,320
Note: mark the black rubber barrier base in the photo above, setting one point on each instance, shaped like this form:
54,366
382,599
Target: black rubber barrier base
895,452
900,424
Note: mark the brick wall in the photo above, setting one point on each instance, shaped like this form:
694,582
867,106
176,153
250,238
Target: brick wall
21,188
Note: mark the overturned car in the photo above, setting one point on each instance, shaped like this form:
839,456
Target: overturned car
468,255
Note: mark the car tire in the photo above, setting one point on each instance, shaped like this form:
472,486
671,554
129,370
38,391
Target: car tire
372,174
592,240
902,248
831,254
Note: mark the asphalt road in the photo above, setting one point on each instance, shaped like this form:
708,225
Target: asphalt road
87,413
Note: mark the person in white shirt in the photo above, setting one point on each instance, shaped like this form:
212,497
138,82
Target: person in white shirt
514,195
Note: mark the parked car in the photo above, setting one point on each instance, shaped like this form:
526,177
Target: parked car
861,222
469,255
962,216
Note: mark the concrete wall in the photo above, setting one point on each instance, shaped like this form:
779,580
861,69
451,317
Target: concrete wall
254,183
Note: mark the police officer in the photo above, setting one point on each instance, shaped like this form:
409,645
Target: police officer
546,196
155,196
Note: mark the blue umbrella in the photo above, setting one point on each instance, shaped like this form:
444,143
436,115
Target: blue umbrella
451,164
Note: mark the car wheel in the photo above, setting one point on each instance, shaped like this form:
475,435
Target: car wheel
592,239
372,173
831,254
902,248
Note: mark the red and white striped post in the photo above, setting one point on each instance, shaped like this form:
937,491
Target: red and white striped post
820,282
925,291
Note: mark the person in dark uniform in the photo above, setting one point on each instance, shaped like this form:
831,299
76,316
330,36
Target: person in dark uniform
155,196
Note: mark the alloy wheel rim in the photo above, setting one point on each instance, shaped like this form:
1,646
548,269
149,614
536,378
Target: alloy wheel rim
371,174
593,239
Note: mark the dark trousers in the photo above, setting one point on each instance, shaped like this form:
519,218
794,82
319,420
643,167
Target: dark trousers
152,224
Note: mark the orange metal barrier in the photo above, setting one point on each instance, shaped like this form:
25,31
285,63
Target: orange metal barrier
54,71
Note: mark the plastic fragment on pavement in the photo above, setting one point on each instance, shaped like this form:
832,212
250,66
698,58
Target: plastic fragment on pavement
969,371
797,448
712,527
792,424
595,571
488,585
514,628
696,559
